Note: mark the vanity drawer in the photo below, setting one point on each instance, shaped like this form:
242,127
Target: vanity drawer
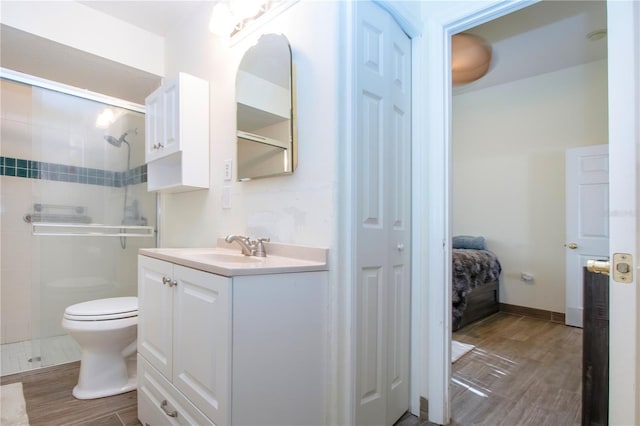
159,403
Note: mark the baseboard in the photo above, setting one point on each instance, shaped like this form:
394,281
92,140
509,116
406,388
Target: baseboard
424,409
533,312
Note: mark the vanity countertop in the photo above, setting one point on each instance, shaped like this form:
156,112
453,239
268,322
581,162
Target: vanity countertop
226,259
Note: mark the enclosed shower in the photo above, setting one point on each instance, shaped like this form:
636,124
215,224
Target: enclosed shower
75,210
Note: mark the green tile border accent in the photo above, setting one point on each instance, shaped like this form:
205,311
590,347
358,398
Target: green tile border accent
30,169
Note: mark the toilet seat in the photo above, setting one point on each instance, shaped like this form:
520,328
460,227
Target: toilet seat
103,309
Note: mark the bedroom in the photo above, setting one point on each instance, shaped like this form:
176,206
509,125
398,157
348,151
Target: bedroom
509,144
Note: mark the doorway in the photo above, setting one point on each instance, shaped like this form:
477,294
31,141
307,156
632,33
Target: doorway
623,18
509,137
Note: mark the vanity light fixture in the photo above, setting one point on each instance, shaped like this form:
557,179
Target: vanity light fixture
232,16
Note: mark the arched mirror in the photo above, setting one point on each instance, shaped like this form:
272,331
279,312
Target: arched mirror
264,97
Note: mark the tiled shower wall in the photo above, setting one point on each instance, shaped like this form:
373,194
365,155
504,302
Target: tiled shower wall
51,153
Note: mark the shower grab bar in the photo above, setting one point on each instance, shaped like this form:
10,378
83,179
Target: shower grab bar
91,230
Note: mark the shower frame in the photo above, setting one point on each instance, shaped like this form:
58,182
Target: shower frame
80,230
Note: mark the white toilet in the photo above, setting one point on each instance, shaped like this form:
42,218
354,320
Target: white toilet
106,330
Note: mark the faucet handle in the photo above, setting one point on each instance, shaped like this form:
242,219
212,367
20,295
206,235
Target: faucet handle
260,250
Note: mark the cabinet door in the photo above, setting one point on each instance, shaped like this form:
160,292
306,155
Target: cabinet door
155,313
202,338
153,128
171,117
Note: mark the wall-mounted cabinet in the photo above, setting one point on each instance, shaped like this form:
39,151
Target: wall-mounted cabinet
177,135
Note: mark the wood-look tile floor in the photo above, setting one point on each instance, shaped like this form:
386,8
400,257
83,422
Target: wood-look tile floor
47,393
523,371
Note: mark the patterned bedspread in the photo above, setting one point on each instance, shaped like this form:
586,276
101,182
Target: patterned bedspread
471,269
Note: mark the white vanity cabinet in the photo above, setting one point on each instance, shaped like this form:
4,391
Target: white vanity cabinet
230,350
183,332
177,135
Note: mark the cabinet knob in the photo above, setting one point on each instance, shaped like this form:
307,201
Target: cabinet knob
169,412
172,283
166,280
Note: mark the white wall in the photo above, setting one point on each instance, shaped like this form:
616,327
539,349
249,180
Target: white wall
81,27
508,172
296,209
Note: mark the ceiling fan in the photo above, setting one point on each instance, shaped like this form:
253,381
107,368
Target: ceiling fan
470,58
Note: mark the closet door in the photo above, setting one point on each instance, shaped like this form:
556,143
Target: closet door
382,162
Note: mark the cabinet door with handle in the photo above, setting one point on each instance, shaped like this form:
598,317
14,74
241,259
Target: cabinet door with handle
162,120
202,341
155,313
153,125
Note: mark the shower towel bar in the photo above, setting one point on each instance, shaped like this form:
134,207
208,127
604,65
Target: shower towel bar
91,230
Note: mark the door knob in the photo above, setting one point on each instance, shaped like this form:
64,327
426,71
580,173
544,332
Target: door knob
598,266
572,246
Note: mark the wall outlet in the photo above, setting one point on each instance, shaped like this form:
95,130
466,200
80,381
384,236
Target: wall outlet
228,172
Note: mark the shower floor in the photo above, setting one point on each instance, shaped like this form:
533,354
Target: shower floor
30,354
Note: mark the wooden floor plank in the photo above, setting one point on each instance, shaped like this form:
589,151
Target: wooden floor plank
523,371
47,393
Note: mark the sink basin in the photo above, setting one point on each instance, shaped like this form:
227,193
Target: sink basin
218,258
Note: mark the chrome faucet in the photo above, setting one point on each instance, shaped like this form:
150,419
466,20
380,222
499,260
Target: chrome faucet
249,247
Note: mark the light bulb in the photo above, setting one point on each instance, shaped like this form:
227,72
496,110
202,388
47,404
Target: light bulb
105,118
222,21
243,9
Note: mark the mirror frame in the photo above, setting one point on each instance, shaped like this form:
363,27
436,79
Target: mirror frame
290,146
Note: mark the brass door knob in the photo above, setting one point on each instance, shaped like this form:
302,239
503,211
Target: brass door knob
598,266
572,246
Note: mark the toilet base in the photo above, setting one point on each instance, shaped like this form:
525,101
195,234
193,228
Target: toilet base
110,387
88,394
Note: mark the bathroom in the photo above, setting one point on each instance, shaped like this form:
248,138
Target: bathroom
297,209
306,208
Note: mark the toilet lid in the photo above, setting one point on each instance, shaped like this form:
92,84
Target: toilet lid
103,309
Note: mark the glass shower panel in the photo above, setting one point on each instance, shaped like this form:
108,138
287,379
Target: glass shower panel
89,210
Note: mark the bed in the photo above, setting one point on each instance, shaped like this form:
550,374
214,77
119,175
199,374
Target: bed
475,276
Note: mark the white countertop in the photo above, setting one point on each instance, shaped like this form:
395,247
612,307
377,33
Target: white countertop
226,259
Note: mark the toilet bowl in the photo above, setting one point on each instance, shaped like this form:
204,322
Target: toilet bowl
106,331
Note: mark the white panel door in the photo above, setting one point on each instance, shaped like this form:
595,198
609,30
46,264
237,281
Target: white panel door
587,219
383,108
202,341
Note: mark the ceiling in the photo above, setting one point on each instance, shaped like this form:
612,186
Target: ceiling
158,17
545,37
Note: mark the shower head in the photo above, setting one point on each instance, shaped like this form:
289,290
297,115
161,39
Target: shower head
113,141
118,142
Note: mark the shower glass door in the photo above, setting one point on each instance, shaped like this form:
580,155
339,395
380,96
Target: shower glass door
74,177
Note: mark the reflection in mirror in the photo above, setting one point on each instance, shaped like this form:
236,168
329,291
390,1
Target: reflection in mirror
265,113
